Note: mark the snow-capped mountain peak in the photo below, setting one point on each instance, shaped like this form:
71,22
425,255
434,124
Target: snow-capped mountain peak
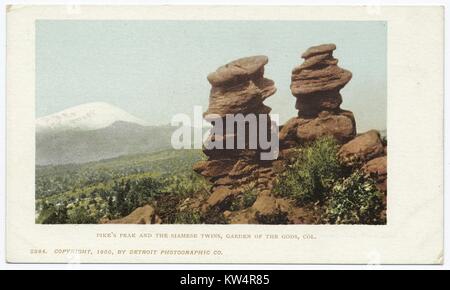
90,116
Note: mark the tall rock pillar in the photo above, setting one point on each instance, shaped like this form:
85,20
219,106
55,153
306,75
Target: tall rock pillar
316,85
238,87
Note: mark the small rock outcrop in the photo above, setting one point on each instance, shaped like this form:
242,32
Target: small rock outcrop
363,148
377,168
368,152
316,85
141,215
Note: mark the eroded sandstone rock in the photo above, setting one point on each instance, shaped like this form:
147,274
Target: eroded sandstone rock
141,215
220,195
238,87
214,168
265,204
316,84
319,73
339,126
377,168
362,148
238,71
319,49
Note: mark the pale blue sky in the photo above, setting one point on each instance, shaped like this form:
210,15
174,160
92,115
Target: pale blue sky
155,69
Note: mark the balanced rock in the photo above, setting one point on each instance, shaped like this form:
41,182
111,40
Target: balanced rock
238,71
323,49
319,72
236,174
317,81
316,84
238,87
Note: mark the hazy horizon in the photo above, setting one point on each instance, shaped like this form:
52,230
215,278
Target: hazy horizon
155,69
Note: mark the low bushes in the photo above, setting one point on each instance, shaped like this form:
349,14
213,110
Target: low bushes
316,176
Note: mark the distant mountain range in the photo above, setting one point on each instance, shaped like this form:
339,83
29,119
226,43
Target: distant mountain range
95,131
90,116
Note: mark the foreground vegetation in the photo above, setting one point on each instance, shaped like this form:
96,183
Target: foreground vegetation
109,189
315,178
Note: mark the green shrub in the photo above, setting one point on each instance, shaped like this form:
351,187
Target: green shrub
166,207
186,184
249,198
52,214
82,215
246,199
175,190
187,217
316,177
277,218
213,216
312,172
354,200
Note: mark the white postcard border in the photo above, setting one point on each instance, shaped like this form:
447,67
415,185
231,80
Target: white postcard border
415,101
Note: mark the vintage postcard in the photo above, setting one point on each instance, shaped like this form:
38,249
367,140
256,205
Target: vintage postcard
225,134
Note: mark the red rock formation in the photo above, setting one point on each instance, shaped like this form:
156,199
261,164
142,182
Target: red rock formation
363,148
141,215
368,152
316,84
238,87
377,168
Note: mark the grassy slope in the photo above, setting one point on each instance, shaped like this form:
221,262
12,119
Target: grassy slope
56,183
